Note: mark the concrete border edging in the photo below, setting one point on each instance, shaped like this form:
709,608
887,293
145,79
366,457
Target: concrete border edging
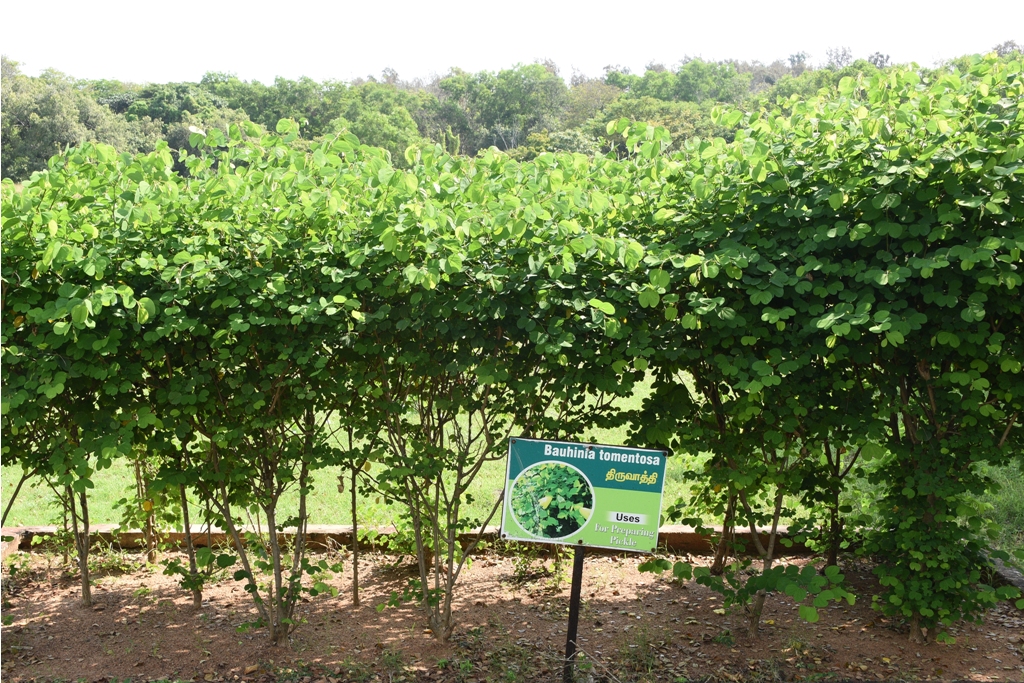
672,538
675,538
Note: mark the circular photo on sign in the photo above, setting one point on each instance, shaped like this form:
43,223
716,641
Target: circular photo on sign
552,500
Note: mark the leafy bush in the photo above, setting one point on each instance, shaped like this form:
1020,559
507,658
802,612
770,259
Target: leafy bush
841,283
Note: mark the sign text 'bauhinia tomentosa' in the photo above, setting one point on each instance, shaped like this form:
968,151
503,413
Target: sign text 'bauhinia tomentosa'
583,494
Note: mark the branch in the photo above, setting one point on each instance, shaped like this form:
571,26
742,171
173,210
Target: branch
753,529
853,460
927,377
1006,433
480,535
14,496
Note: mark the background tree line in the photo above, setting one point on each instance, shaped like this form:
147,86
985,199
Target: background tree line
526,110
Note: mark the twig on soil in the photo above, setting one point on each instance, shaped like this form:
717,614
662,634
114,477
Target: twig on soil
596,660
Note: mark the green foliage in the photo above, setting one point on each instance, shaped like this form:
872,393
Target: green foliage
682,120
379,115
572,141
809,83
314,105
502,109
106,560
695,80
208,561
45,115
835,290
587,97
462,111
799,584
873,260
170,102
1005,495
552,500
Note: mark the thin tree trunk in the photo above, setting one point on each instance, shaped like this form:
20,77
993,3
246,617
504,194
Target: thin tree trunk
278,631
355,543
149,531
294,589
64,522
421,555
152,554
14,496
87,586
209,526
82,543
767,554
243,557
193,568
722,552
916,636
835,529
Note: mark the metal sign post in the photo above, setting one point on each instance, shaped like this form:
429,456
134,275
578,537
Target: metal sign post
583,495
574,613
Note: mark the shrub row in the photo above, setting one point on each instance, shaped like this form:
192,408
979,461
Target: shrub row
836,291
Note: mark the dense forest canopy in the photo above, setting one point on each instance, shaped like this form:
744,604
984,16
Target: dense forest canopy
525,110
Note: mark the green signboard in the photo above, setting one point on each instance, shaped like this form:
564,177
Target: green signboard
583,494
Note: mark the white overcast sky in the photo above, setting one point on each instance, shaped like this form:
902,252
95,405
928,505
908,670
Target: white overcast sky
144,41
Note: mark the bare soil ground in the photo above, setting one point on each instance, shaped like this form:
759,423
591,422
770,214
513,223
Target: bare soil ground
512,626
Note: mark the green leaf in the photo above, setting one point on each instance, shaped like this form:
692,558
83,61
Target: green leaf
683,571
872,450
388,239
659,278
809,614
409,182
648,298
796,592
146,310
204,556
603,306
79,314
50,253
632,255
655,564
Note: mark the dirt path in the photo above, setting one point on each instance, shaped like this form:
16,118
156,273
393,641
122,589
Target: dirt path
634,627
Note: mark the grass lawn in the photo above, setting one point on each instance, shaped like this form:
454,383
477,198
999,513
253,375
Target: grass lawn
36,505
1008,504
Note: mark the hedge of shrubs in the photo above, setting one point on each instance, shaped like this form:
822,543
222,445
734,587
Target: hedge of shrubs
835,294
